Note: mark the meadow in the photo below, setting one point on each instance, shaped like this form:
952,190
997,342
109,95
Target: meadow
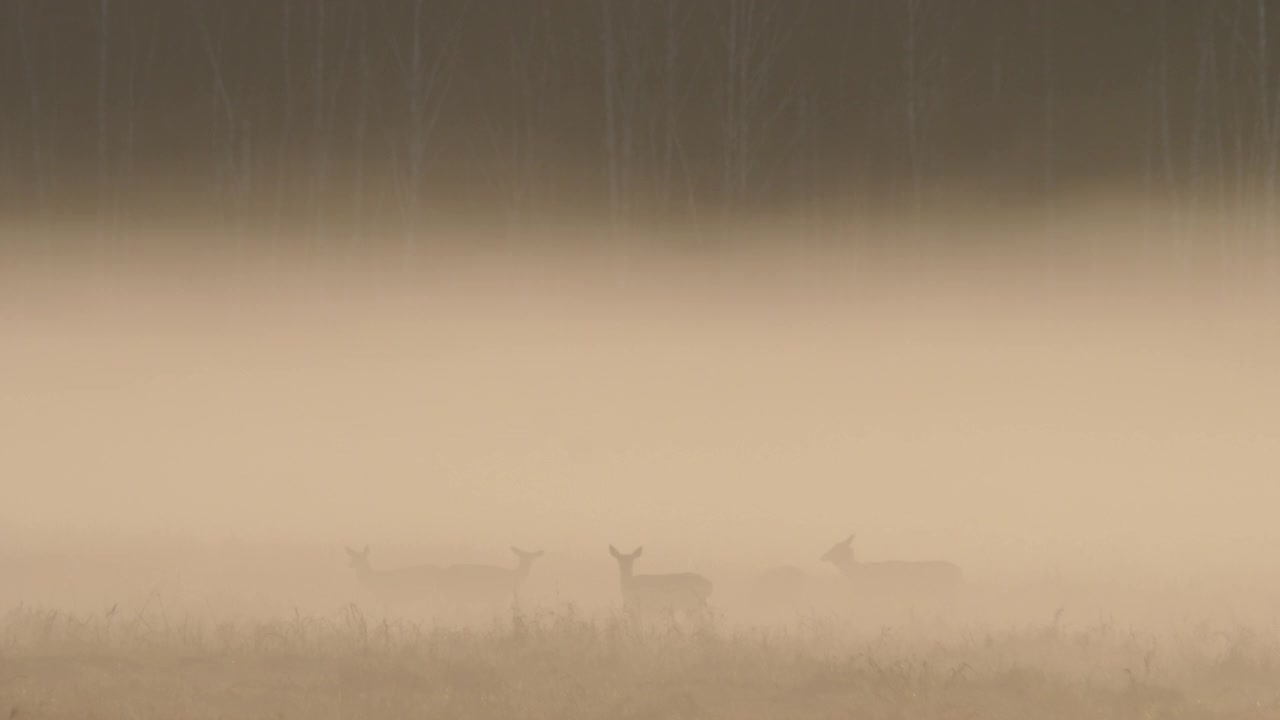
564,663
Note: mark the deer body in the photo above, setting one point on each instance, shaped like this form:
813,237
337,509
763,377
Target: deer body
415,582
672,593
487,582
465,583
893,577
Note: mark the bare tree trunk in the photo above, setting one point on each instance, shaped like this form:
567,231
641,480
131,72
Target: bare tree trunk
1268,126
230,161
610,112
631,103
1264,110
1205,111
669,75
318,149
362,113
1166,130
730,129
1219,141
915,151
1050,169
426,77
753,35
1239,107
141,45
516,137
35,114
742,17
417,107
286,123
104,180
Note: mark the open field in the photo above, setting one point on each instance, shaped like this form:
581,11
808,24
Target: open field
563,664
152,629
271,631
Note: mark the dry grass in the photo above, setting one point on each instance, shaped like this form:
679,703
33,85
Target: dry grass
562,664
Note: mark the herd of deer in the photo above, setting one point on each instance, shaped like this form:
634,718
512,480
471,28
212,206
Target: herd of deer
671,593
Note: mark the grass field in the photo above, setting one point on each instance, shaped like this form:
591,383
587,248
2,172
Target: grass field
564,664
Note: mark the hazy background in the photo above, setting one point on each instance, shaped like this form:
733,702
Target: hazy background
989,282
729,413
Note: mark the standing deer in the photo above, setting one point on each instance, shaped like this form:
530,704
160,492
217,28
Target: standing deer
893,577
455,584
399,585
672,593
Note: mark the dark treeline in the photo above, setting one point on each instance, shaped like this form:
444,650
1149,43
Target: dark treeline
340,111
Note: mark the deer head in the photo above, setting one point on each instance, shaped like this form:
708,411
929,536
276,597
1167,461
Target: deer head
841,553
525,559
359,560
625,560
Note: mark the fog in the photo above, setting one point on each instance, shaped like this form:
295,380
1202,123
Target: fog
212,420
639,359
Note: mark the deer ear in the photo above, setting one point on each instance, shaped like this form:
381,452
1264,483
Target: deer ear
614,552
365,551
516,550
639,551
849,540
350,552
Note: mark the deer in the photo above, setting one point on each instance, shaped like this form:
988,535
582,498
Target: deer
467,583
672,593
892,577
487,582
417,582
